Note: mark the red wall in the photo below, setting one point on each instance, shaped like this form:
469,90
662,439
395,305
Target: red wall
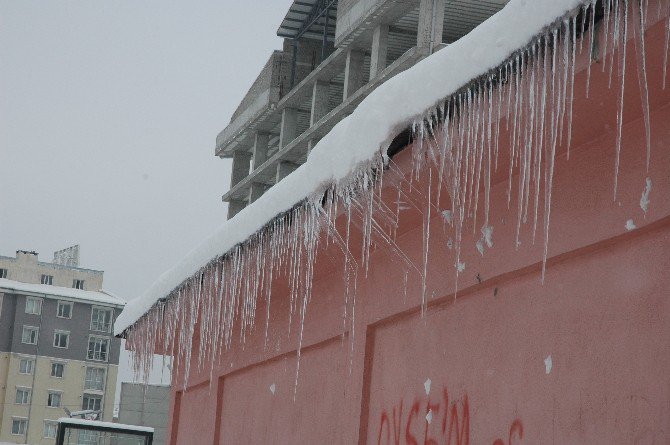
602,315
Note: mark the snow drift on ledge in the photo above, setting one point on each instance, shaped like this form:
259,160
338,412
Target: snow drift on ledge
357,139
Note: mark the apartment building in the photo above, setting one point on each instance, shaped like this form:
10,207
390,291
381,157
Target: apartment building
57,351
335,54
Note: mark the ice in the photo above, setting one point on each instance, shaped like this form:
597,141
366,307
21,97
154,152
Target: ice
518,66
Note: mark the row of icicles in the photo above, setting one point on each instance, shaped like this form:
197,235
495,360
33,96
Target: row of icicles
458,143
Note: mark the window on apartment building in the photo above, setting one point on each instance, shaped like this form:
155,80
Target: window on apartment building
3,273
26,366
57,370
78,284
101,319
64,309
61,339
98,348
33,305
50,429
30,335
19,426
95,379
47,279
92,402
22,396
88,437
54,399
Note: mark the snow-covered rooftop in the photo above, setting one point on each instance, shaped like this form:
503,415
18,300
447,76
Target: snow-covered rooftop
358,139
106,425
46,290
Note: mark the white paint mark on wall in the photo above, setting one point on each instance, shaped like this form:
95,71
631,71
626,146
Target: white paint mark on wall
487,236
429,416
273,388
447,215
644,200
630,225
426,386
480,247
548,364
460,267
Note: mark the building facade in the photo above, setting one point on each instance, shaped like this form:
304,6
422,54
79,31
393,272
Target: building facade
56,348
146,405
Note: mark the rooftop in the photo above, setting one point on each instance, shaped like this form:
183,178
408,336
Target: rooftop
45,290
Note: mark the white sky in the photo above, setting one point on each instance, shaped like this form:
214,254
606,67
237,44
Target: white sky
108,117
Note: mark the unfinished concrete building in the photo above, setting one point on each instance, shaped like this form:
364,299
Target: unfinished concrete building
335,54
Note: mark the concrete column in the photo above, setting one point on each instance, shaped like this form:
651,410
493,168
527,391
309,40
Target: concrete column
235,206
240,171
285,168
256,190
353,73
320,101
289,126
379,52
260,150
431,24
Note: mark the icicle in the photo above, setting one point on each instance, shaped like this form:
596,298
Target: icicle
573,62
667,47
592,32
622,71
641,53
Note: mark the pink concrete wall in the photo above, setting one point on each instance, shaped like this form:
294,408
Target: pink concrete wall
603,315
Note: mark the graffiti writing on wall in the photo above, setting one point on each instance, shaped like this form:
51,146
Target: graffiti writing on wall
435,422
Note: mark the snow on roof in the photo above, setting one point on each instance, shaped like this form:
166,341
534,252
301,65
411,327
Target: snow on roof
98,424
46,290
357,139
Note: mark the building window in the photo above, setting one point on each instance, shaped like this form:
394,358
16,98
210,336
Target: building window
64,309
50,430
101,319
92,402
97,348
19,426
47,279
22,396
30,335
54,399
33,305
89,437
26,366
78,284
61,339
3,273
95,379
57,370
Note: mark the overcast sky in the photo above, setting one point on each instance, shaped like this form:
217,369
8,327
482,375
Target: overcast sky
108,117
109,112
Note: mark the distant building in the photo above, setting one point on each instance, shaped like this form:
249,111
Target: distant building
56,346
335,54
146,405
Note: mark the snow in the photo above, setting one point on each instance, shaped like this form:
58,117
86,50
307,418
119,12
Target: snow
47,291
358,139
95,423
